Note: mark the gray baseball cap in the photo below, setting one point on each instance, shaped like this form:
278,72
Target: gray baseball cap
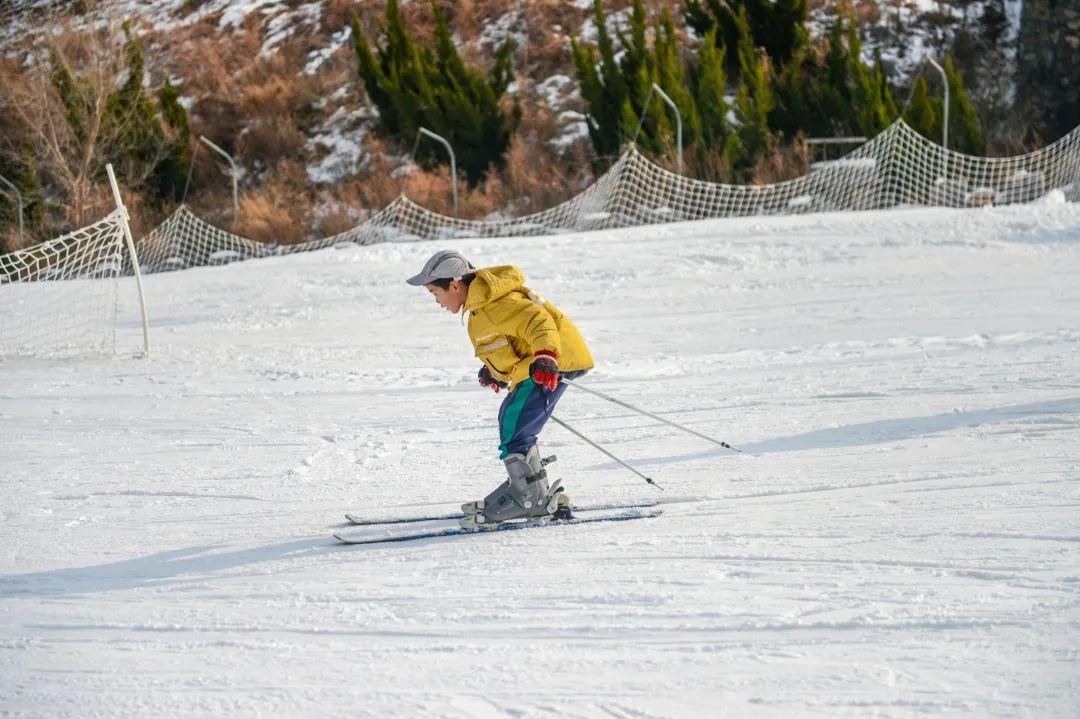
443,265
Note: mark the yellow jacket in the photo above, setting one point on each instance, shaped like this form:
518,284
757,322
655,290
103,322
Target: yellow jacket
508,322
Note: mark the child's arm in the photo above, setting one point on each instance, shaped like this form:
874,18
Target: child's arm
531,322
528,320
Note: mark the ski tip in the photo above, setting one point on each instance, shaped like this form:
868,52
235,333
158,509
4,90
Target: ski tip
345,540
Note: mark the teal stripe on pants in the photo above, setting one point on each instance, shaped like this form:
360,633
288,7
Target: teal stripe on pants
512,415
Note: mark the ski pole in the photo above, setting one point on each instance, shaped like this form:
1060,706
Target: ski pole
725,445
596,446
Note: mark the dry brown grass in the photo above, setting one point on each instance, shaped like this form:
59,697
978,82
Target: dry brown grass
709,165
867,12
336,212
274,212
269,141
432,190
9,239
208,65
272,104
417,15
785,163
337,14
142,215
377,186
276,93
538,179
465,17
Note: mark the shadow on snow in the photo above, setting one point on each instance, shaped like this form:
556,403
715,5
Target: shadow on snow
876,432
191,564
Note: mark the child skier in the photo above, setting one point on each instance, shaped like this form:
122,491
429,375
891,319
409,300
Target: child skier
525,344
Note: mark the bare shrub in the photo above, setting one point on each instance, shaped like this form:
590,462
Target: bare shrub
273,213
536,180
432,189
143,216
464,17
270,140
215,63
381,182
335,212
70,157
867,12
337,14
785,163
277,93
9,240
710,165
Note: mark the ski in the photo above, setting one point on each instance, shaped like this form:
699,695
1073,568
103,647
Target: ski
614,516
367,521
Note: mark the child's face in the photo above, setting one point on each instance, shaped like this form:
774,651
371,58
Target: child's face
452,298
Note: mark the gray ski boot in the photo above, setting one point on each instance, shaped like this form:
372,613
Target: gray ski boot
525,494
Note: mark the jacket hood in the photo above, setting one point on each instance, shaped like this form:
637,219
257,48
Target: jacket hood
492,283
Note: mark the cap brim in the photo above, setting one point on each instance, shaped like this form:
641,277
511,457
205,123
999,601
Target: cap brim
419,280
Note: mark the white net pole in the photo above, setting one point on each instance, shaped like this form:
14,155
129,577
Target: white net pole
133,256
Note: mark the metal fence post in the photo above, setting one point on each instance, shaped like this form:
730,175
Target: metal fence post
453,161
678,121
232,165
945,122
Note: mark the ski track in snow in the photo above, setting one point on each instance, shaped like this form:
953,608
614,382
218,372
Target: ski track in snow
900,538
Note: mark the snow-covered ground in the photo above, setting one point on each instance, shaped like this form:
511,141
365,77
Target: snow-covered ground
900,538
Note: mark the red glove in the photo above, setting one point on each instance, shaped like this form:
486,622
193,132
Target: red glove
488,380
545,369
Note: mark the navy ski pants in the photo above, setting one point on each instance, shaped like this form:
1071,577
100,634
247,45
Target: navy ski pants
524,412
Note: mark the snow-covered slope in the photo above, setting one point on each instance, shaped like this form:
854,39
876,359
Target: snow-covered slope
900,538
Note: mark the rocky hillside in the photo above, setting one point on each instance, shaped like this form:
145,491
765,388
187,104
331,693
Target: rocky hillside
275,83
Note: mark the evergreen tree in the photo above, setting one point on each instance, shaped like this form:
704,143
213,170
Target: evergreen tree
992,90
926,114
871,100
993,23
171,173
603,88
146,142
755,99
885,90
638,68
965,135
670,76
616,90
920,114
779,26
715,155
710,89
414,87
798,105
141,148
664,67
834,93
